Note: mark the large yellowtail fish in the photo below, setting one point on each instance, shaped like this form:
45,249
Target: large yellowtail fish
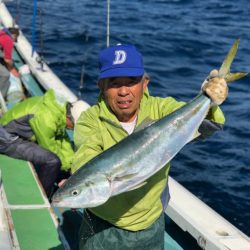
129,163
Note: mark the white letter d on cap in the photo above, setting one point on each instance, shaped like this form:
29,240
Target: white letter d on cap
120,57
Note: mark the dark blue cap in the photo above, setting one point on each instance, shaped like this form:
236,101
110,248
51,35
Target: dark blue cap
120,61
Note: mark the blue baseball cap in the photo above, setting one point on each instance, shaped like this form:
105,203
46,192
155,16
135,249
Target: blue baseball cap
120,61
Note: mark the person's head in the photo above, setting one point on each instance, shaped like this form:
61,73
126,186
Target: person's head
122,80
73,112
14,33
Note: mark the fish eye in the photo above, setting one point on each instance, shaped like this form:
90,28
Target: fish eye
75,192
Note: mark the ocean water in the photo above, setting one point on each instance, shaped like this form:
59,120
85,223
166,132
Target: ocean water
181,41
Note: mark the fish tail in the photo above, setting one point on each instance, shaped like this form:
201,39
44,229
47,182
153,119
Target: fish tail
230,77
224,70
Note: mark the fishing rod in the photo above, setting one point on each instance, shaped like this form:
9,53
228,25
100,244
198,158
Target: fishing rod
17,16
80,89
40,59
33,28
108,22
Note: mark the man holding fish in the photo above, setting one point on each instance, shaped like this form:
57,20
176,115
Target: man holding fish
132,219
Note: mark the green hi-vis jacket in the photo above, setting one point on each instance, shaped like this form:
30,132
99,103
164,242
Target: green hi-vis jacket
98,129
48,124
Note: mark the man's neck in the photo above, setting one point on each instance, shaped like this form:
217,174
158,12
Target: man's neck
129,126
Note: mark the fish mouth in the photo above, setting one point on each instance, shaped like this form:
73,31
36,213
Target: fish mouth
70,204
62,203
56,202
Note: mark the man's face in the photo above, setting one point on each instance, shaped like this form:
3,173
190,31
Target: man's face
123,96
14,37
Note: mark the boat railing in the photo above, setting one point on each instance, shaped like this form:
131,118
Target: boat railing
210,229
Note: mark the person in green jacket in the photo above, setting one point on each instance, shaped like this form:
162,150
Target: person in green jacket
34,130
134,219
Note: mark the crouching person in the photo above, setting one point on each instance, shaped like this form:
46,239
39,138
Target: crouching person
35,130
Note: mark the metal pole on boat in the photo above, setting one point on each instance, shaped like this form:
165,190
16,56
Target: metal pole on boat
41,31
33,28
81,81
41,58
17,17
108,18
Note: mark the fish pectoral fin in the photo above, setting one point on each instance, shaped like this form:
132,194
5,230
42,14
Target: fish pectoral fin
138,186
124,177
128,177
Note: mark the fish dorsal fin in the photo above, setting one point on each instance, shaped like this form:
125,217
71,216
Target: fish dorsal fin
145,123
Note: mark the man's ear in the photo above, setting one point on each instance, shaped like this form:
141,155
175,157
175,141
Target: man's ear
145,83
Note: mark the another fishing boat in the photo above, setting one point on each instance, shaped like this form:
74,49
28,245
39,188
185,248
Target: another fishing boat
27,221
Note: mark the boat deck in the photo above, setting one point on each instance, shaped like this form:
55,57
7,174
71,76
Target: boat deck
28,213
